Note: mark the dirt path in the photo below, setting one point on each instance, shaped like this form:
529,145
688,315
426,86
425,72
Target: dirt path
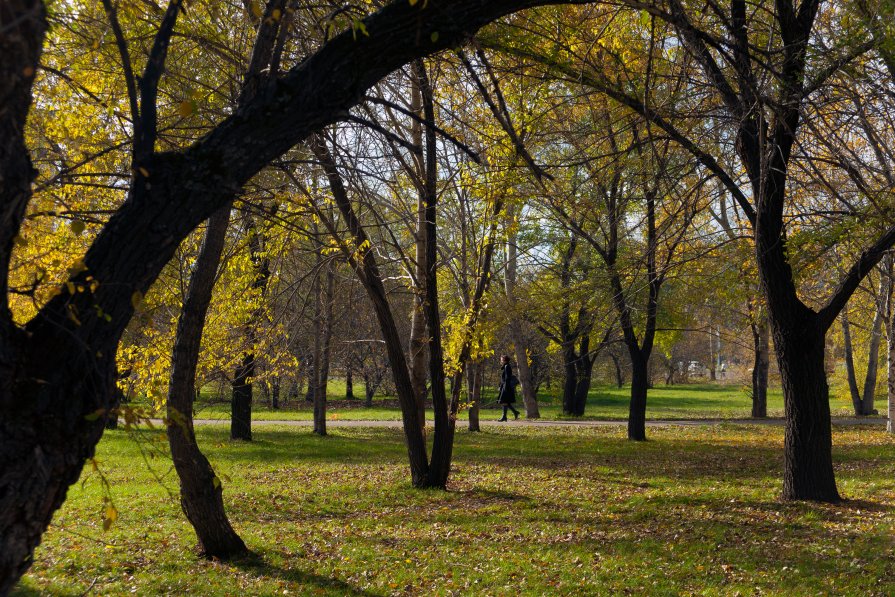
875,421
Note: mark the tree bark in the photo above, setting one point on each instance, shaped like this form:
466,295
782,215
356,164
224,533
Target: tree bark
619,374
637,406
201,492
808,465
869,394
241,399
419,342
760,366
850,364
474,373
326,298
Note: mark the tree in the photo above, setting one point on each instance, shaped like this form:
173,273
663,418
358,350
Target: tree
761,69
58,371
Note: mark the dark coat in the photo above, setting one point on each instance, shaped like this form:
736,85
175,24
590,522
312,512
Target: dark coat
507,392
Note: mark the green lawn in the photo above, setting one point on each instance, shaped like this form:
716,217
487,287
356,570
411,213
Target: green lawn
707,401
529,511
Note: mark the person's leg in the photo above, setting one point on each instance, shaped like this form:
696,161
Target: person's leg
515,412
504,418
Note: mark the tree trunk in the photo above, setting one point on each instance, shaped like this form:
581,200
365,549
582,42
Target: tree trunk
326,309
850,364
808,465
201,493
275,393
419,342
369,391
867,406
570,381
637,407
349,381
474,374
890,357
523,371
241,400
583,371
619,374
760,367
444,412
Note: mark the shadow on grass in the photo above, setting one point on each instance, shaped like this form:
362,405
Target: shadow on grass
256,564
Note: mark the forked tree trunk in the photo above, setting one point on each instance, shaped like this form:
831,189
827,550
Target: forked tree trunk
201,493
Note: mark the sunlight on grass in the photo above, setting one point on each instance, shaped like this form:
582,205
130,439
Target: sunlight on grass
529,511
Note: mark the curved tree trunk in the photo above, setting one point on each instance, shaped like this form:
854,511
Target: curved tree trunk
201,495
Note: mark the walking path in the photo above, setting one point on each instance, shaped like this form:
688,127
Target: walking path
875,421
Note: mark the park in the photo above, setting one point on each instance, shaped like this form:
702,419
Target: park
447,297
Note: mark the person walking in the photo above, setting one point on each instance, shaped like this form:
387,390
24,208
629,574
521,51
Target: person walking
506,393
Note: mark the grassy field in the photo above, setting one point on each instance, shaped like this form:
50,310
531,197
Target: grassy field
529,511
707,401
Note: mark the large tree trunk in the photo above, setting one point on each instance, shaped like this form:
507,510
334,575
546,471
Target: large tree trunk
639,386
443,411
850,364
201,494
523,371
584,367
419,342
760,366
241,399
808,465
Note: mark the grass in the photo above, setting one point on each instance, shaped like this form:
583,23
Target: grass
529,511
705,401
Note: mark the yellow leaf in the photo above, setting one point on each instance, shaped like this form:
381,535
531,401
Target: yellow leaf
77,226
256,9
185,108
136,299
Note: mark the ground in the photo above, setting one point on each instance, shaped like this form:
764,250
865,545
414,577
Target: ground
695,510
